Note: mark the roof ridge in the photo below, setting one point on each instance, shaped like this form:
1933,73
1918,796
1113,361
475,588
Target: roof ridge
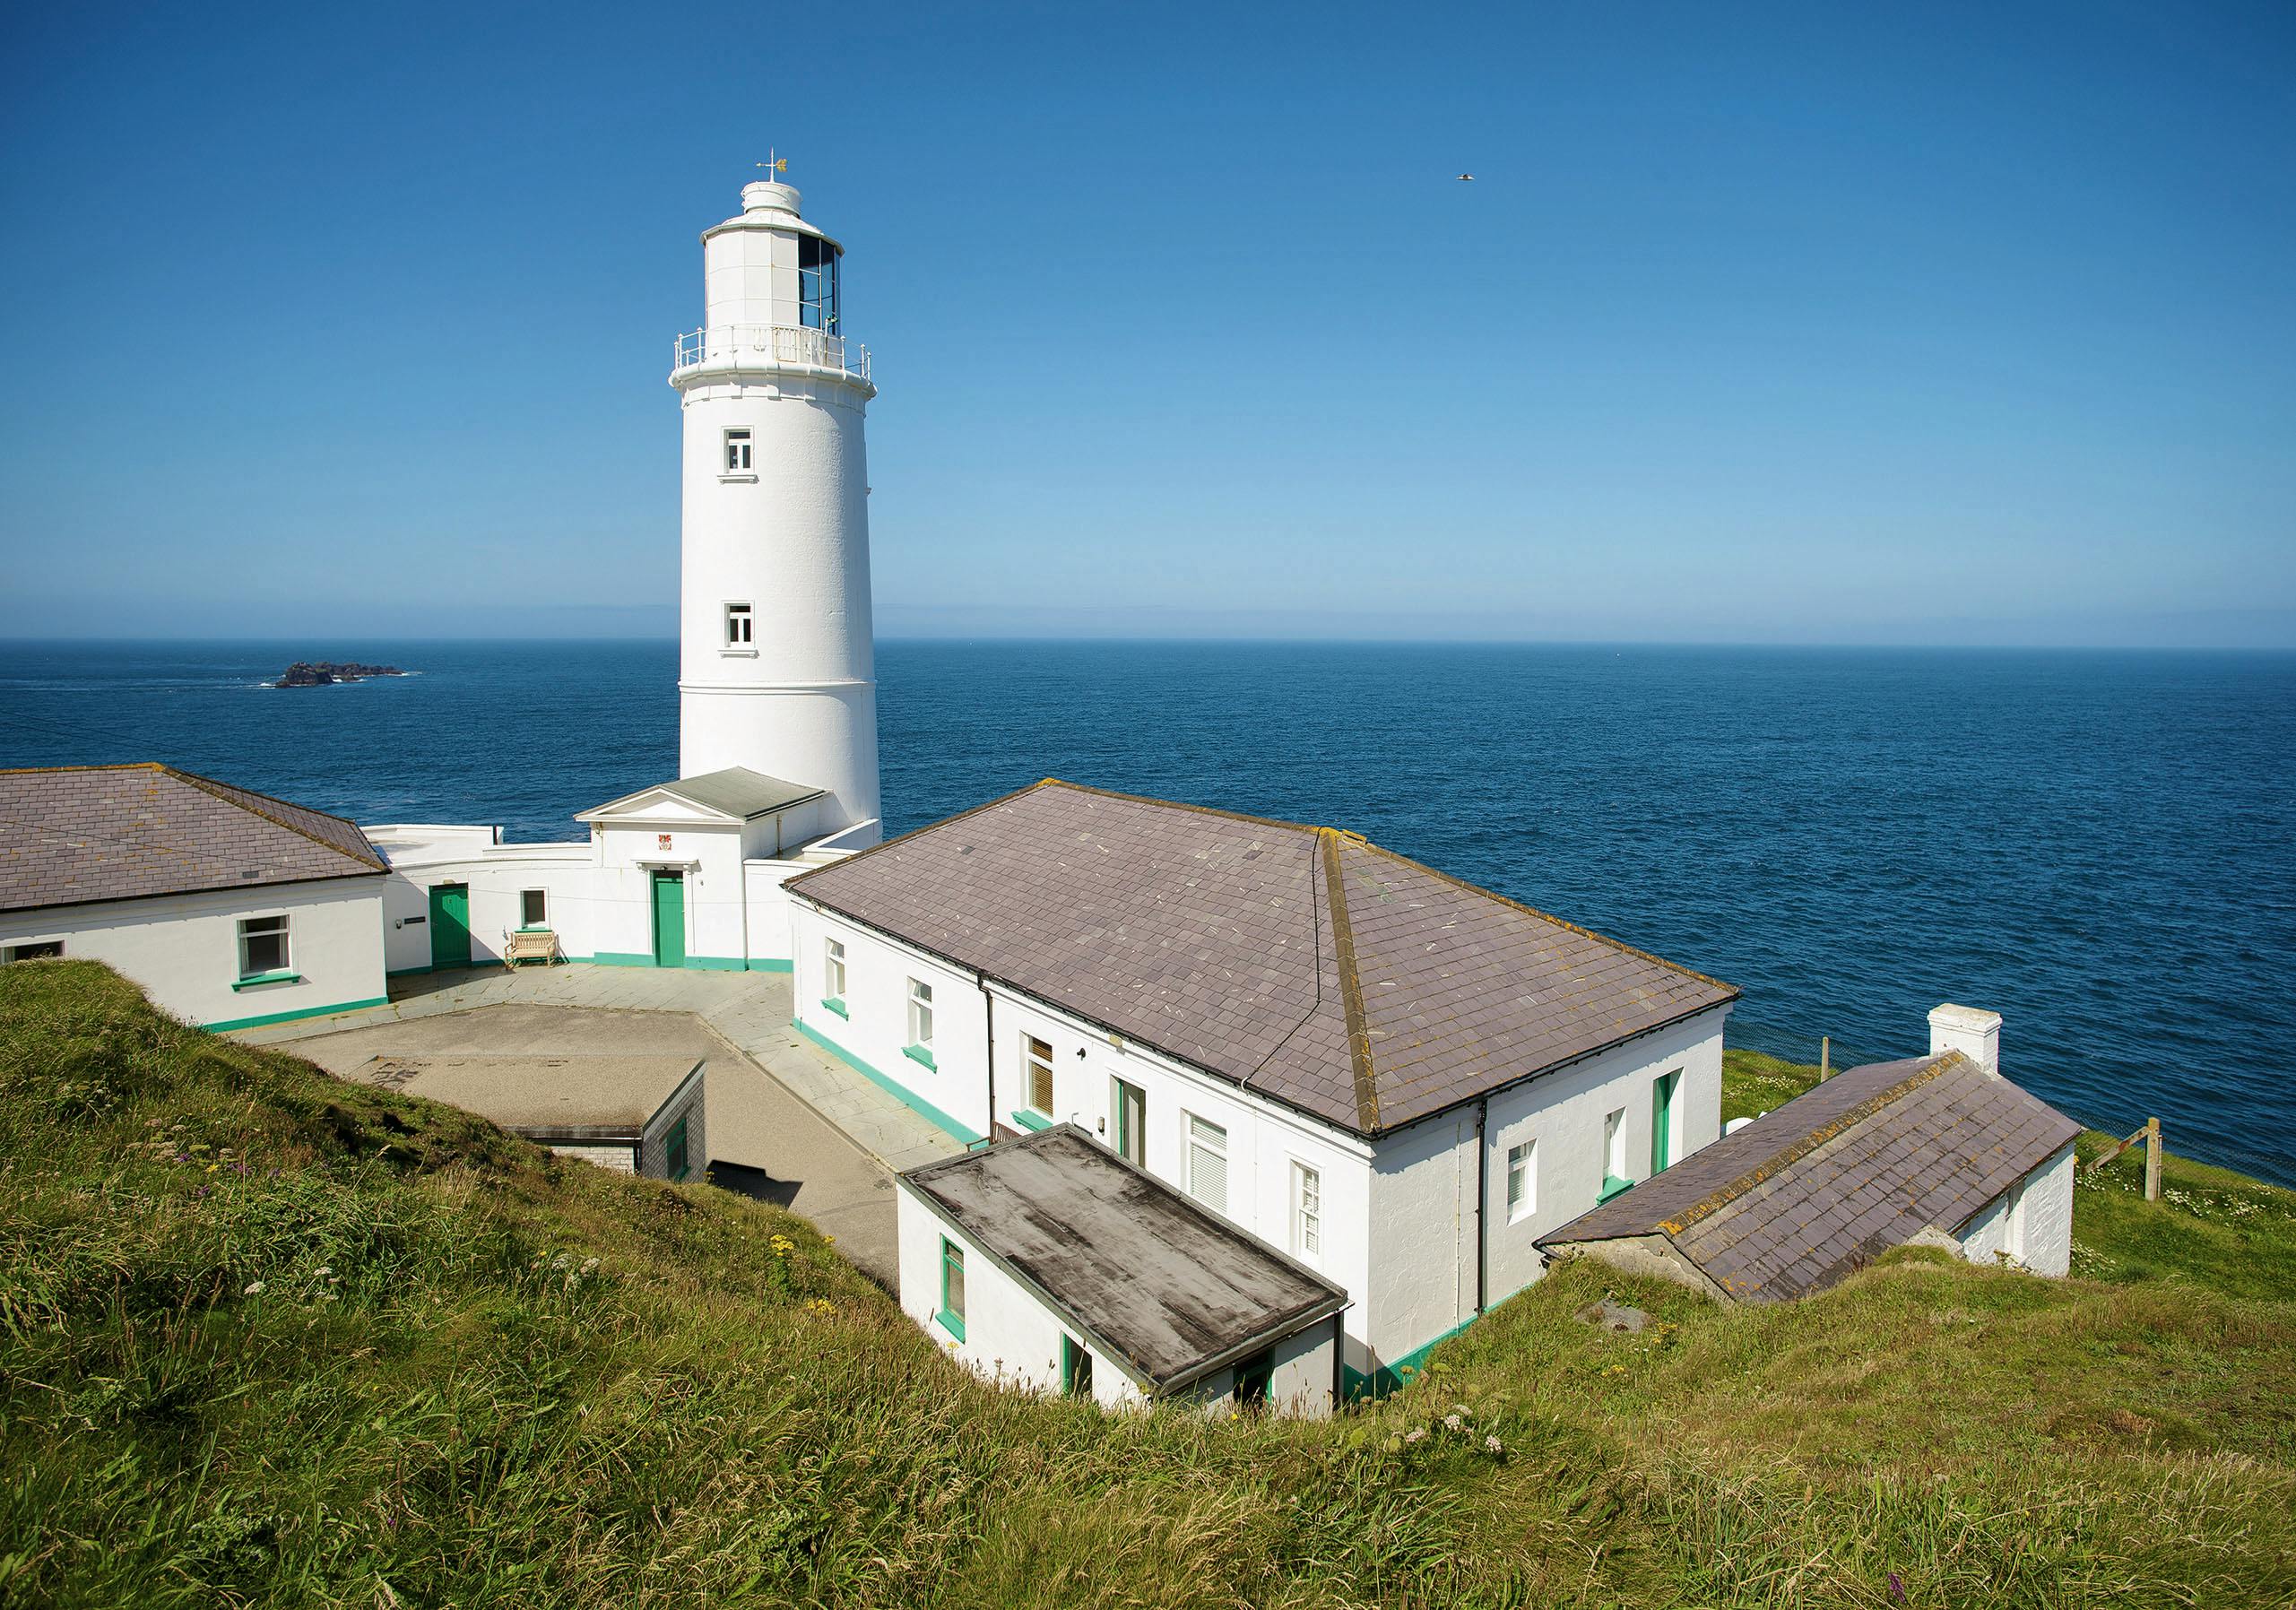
1722,1196
94,766
1601,939
1351,987
210,785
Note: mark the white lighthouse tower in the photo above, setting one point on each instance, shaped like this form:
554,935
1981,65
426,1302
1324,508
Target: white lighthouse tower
777,672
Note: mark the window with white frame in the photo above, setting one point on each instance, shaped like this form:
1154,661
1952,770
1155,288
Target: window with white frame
1036,1064
262,945
1307,1210
919,1015
533,908
737,452
1614,1150
1522,1180
833,968
741,626
1208,1163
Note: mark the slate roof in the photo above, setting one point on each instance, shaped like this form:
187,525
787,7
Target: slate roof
735,790
73,834
1173,1289
1805,1195
1303,962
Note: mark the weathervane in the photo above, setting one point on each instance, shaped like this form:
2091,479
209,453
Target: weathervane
773,165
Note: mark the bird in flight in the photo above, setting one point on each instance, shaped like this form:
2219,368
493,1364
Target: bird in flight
1466,179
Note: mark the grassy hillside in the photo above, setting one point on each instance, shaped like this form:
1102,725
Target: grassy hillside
265,1338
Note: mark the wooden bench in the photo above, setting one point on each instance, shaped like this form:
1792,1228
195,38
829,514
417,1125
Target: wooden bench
529,945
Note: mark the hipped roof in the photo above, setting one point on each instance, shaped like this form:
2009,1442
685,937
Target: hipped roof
1303,962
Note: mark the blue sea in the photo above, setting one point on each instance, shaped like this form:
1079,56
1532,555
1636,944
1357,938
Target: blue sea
2102,846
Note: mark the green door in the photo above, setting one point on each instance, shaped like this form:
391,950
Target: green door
450,925
1662,1121
669,919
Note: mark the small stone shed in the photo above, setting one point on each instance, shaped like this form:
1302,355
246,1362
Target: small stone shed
1939,1149
1050,1263
634,1115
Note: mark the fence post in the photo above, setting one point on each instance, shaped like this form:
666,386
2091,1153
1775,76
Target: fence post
1825,1057
2152,1159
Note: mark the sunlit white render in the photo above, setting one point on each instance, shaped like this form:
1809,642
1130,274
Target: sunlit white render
775,669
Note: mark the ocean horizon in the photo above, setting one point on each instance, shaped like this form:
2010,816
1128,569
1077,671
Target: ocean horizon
2099,844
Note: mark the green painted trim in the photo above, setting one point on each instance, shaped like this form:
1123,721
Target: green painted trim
257,981
1395,1375
949,1322
839,1006
1612,1185
894,1088
623,958
918,1053
717,964
771,965
1031,1121
269,1018
953,1323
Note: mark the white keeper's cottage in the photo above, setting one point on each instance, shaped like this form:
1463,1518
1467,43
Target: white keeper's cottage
1398,1079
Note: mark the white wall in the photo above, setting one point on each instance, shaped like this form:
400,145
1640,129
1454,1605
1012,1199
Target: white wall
1422,1238
566,872
874,1027
2031,1221
1563,1113
184,950
1010,1334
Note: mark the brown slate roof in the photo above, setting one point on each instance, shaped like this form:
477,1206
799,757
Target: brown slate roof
1170,1288
73,834
1803,1196
1303,962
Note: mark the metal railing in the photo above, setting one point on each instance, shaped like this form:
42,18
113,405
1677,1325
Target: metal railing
777,343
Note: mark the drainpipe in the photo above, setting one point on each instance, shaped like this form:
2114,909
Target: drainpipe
1482,1198
989,1045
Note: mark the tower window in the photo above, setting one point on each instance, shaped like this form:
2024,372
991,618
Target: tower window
817,284
739,625
737,451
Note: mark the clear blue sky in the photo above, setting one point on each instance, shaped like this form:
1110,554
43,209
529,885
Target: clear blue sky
1825,323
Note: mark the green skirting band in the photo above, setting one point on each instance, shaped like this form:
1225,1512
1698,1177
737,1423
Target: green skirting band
893,1087
269,1018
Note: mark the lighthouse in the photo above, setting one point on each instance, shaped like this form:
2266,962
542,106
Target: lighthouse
777,672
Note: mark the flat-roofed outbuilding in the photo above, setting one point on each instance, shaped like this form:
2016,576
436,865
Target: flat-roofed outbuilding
1052,1262
634,1115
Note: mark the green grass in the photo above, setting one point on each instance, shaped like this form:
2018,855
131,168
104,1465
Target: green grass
270,1339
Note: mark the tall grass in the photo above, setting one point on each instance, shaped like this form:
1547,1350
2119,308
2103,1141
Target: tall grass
270,1339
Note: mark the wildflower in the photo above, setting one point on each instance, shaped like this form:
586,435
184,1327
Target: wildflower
589,1266
822,1306
323,1271
1896,1588
1460,1408
254,1289
1418,1433
1491,1445
1453,1422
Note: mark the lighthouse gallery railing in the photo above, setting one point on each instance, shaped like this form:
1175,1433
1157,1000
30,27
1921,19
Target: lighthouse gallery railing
782,344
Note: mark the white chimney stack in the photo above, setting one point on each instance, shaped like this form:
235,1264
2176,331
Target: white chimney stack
1971,1031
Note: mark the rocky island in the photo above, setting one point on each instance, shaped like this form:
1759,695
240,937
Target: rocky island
321,673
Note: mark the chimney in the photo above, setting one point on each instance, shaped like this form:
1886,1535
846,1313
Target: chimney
1971,1031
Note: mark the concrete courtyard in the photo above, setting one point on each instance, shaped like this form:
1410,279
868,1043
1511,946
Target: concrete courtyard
828,1140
